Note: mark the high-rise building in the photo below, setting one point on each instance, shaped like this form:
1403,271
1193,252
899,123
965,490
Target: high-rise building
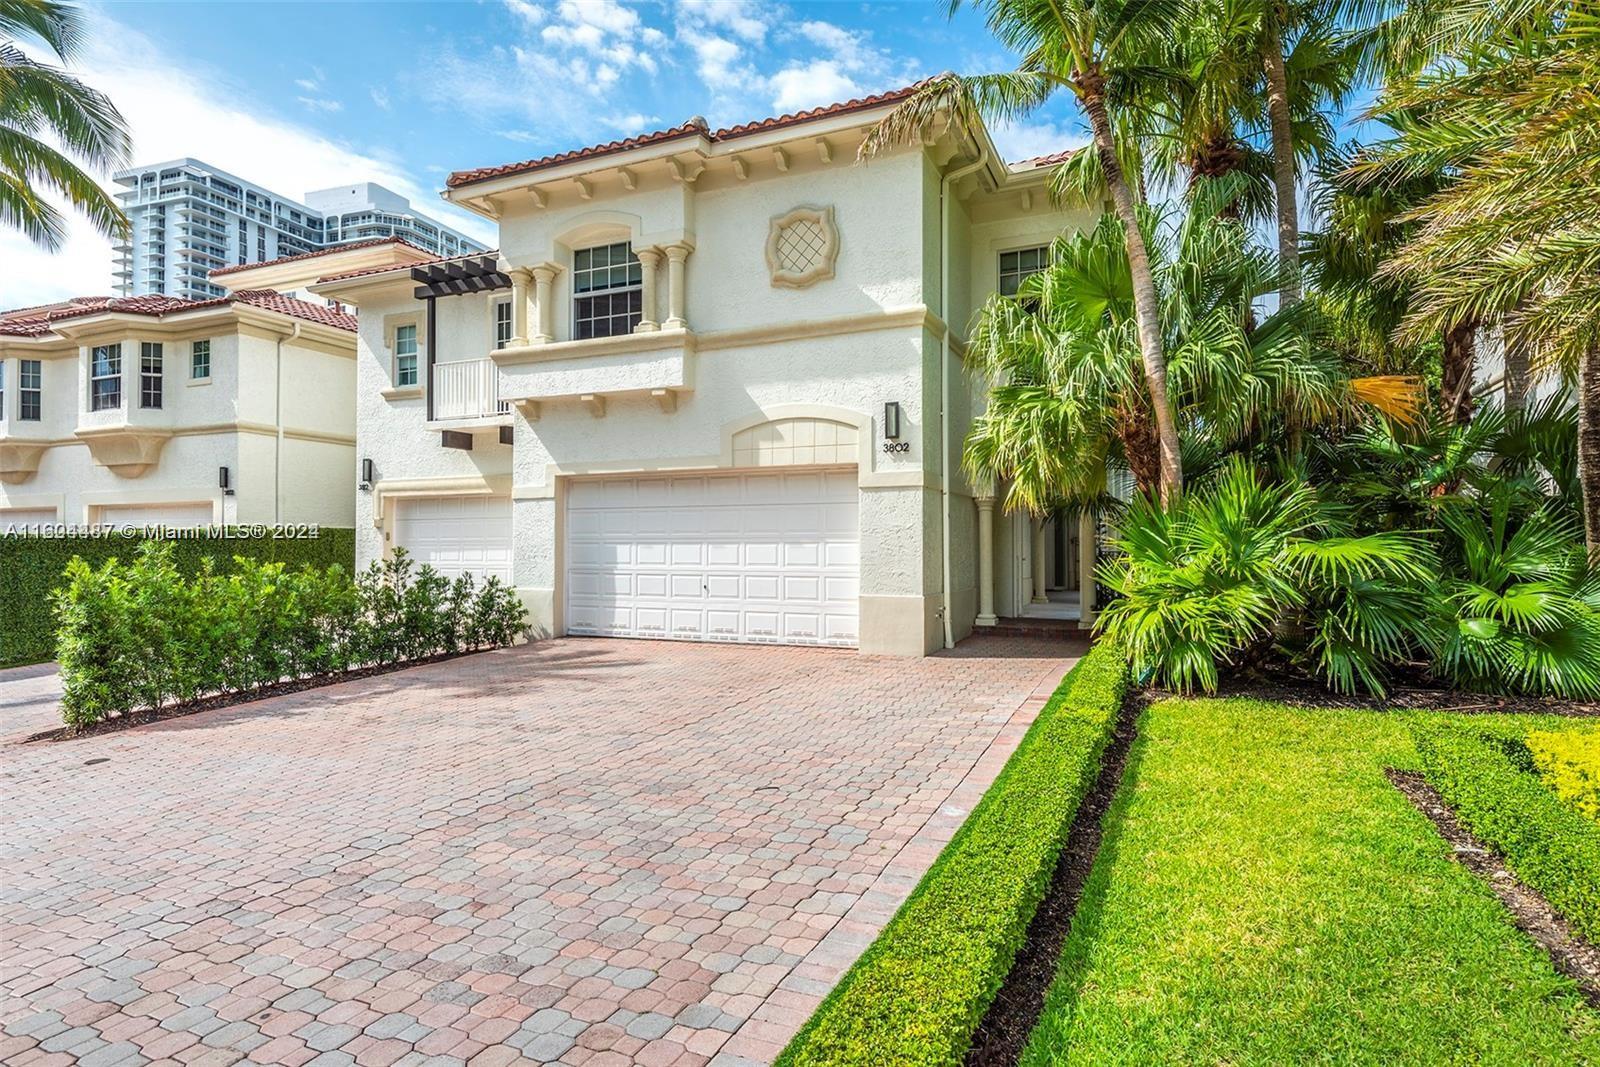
190,217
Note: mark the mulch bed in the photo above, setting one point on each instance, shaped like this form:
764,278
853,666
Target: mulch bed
1015,1011
1571,954
228,700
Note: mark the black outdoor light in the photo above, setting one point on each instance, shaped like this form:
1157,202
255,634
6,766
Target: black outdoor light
368,475
891,420
224,481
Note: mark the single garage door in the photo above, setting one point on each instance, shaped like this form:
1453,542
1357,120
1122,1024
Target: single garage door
771,557
457,534
141,515
25,517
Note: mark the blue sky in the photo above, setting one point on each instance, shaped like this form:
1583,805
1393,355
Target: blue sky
299,96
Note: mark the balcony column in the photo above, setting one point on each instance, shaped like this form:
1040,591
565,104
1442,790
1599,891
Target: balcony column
676,254
1039,567
543,277
649,261
985,502
1086,561
521,281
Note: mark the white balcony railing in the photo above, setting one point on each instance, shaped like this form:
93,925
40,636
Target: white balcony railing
467,389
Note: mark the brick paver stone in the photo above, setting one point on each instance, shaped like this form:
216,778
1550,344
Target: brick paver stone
576,852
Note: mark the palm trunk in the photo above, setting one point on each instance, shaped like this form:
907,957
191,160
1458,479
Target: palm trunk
1514,348
1589,446
1455,371
1282,163
1146,306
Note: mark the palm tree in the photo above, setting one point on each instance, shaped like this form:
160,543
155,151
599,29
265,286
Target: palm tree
1062,359
1517,235
40,103
1083,47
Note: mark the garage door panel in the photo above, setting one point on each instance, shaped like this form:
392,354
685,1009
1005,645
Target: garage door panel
134,516
767,557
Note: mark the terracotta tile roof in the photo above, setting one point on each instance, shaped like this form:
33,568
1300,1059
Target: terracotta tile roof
694,126
1055,159
491,253
32,322
371,242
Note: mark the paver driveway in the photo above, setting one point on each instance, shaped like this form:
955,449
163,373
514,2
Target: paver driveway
580,851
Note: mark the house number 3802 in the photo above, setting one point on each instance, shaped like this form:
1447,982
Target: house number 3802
897,446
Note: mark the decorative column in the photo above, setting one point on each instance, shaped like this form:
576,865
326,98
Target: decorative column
1086,562
649,260
676,254
1040,569
543,275
521,280
986,616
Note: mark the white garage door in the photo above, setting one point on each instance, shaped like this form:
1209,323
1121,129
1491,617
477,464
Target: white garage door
770,557
141,515
457,534
21,518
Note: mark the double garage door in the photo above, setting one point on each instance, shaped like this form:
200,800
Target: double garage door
770,557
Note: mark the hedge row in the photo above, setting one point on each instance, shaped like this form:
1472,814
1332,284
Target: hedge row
920,990
1491,784
31,569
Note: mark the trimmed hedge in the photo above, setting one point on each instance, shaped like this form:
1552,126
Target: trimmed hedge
32,568
920,990
1492,785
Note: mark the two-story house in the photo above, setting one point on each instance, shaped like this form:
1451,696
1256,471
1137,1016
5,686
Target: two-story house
711,385
132,411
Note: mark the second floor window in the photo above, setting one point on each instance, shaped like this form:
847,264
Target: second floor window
199,360
606,288
405,354
150,374
1015,266
502,323
30,386
105,377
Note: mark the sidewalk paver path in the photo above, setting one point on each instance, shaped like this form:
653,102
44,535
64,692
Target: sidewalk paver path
581,851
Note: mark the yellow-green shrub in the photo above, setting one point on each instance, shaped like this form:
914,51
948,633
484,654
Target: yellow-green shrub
1569,763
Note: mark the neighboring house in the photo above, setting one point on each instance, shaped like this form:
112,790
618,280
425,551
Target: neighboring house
190,220
155,410
711,386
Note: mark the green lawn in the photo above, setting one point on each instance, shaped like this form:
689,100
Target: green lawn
1265,896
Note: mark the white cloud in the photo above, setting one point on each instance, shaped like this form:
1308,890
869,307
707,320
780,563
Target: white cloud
308,84
795,88
380,97
586,23
745,20
180,108
532,14
319,103
1023,140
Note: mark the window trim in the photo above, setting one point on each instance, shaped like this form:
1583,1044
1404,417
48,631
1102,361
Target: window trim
23,391
495,304
3,389
1000,272
391,328
192,379
112,349
152,384
631,287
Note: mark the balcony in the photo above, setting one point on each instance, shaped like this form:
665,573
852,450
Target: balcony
467,389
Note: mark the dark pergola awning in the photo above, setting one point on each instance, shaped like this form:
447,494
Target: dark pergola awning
458,277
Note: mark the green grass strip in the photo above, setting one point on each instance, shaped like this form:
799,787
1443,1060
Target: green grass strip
1263,895
1495,791
920,990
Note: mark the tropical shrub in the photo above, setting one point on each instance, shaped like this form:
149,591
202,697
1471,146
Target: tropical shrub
138,635
1568,761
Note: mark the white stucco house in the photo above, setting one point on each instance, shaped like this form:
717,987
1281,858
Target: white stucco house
711,387
132,411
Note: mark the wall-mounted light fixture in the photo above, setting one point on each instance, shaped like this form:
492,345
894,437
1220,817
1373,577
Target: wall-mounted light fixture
368,476
891,420
224,481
